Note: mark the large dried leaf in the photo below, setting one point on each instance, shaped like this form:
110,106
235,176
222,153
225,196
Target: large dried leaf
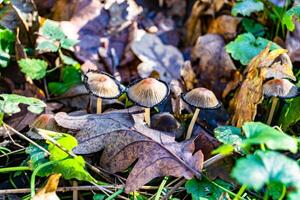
215,65
125,139
157,57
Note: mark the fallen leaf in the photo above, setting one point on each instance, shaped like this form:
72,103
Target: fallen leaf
215,66
48,191
194,24
124,141
224,25
167,60
188,75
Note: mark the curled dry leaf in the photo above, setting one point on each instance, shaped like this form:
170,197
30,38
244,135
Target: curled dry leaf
224,25
48,191
250,94
215,65
125,140
167,60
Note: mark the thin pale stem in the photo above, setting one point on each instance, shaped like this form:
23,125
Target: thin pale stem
240,192
75,192
99,105
161,187
272,110
147,116
191,126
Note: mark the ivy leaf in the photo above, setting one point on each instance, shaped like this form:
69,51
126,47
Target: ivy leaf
290,113
47,46
246,7
259,133
205,190
287,19
246,46
229,135
253,27
70,76
7,39
33,68
10,104
266,167
51,30
68,43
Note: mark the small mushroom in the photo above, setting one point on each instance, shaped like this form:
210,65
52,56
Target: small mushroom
201,98
103,86
279,88
148,92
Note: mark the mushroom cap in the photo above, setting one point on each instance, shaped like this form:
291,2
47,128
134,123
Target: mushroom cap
201,98
281,88
148,92
101,84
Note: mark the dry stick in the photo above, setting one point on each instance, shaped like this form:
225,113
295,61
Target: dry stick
26,138
191,126
75,192
147,116
271,114
206,164
99,105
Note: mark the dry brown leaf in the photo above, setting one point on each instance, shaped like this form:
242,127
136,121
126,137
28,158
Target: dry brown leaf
224,25
48,191
188,75
124,141
194,24
250,94
167,60
215,65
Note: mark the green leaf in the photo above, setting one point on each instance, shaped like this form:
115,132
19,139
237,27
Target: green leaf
266,167
51,30
99,197
275,190
68,60
10,104
253,27
47,46
225,149
7,39
259,133
246,7
33,68
290,113
36,158
205,190
69,167
68,43
70,76
246,46
229,135
287,19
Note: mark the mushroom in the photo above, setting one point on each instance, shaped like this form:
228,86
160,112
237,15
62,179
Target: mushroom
102,85
201,98
279,88
148,92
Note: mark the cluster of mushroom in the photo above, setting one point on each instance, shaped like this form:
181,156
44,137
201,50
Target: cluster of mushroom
147,93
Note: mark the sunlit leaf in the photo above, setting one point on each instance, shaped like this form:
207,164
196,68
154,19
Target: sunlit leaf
246,7
7,39
33,68
287,19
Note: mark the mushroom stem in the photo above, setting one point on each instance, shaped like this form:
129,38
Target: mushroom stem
99,105
191,126
147,116
272,110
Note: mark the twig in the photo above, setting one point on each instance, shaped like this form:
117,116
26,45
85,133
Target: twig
26,138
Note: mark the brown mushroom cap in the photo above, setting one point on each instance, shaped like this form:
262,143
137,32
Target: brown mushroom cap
102,85
201,98
148,92
280,88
